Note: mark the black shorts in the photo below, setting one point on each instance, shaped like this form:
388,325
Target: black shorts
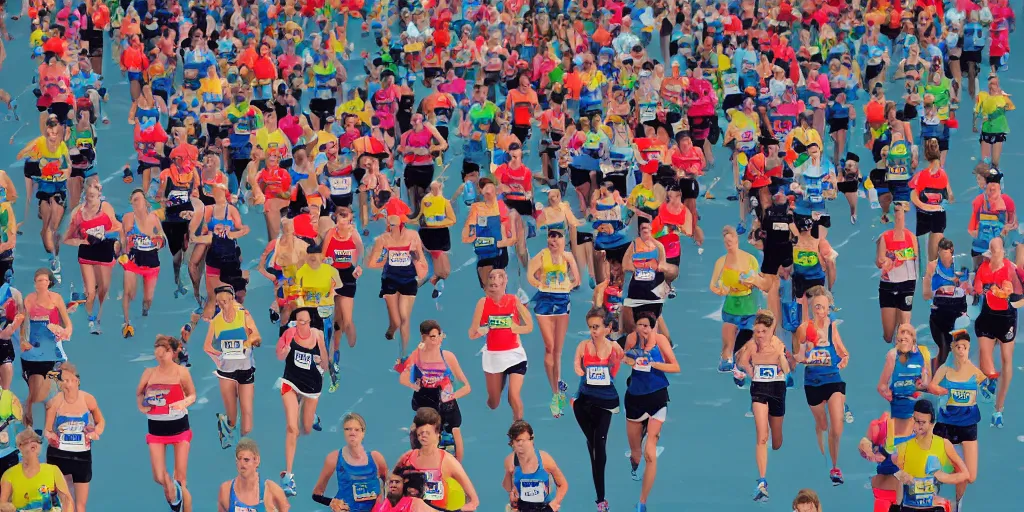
348,281
654,309
897,295
77,465
994,61
516,369
6,352
615,254
32,169
322,108
390,287
639,405
61,110
451,415
956,434
240,376
9,461
60,197
819,394
582,238
579,177
943,319
992,138
930,222
771,393
177,235
419,175
848,186
837,124
499,262
689,188
971,56
776,257
43,368
801,285
996,326
436,239
524,207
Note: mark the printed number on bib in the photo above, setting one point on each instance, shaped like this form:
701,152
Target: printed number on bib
361,491
924,486
73,439
232,349
303,360
340,185
433,491
644,274
642,364
598,376
819,358
780,226
399,258
531,491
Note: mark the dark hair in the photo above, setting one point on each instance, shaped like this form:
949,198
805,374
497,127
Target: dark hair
946,244
925,407
646,315
599,313
427,326
764,317
427,416
483,182
961,335
517,429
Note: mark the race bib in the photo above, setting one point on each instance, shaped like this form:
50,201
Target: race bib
780,226
233,349
144,243
532,491
642,364
361,491
177,197
923,487
96,231
598,376
433,491
340,185
72,439
500,322
767,372
399,258
303,360
325,312
819,358
644,274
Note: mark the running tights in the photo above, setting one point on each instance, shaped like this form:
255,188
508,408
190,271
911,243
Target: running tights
594,422
941,334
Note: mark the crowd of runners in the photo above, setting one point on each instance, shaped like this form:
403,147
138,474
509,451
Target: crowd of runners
244,108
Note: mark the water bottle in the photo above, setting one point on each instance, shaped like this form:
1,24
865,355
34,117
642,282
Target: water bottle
872,194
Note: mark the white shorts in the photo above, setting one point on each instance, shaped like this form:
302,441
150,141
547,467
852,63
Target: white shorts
499,361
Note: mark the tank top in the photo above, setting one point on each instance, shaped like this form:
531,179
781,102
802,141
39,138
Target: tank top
233,340
97,226
945,292
71,432
340,253
434,488
961,407
404,505
178,192
499,317
612,299
487,232
435,210
159,397
807,264
666,227
45,346
236,505
435,379
36,493
904,268
644,380
339,181
533,487
418,139
903,382
821,360
598,380
358,486
554,276
921,492
302,365
611,215
398,266
141,241
994,301
646,276
518,179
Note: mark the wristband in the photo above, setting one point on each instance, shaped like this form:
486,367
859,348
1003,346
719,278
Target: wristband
321,499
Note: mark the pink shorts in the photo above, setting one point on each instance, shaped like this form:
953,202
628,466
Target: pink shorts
96,263
183,437
147,273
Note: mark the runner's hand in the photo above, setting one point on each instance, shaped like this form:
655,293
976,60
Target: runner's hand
144,409
338,505
178,406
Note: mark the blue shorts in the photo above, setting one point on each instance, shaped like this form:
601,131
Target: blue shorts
900,191
550,304
740,321
902,408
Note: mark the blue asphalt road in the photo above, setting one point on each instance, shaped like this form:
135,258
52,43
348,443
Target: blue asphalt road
708,455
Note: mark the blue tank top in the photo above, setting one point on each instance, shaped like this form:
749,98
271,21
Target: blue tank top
905,375
488,233
45,346
990,225
71,432
236,505
822,363
618,236
146,114
358,486
469,193
532,487
961,407
644,380
398,265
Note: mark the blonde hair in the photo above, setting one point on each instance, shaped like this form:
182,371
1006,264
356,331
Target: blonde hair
247,445
807,496
356,417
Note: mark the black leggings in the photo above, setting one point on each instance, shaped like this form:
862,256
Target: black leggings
594,422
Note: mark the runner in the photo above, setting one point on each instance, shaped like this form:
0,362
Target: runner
650,356
907,371
447,486
502,319
234,331
926,460
244,492
399,253
221,228
141,240
947,289
26,485
489,228
436,216
343,249
735,277
94,228
164,395
530,491
42,351
359,472
73,423
896,256
999,282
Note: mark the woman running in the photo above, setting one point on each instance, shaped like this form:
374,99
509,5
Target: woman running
997,280
221,228
530,473
246,491
907,371
502,319
646,292
399,253
94,229
735,277
179,183
446,482
436,216
959,380
40,491
49,327
279,263
896,256
817,344
597,363
931,191
947,288
991,108
650,356
164,395
49,164
359,471
73,423
554,273
234,331
141,240
766,363
489,228
343,249
916,460
432,373
303,351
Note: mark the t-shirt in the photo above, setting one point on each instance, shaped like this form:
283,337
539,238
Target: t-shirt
27,493
993,110
316,283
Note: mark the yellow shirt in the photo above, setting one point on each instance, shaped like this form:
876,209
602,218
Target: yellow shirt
27,493
316,284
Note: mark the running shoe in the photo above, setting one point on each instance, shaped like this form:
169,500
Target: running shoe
989,388
186,331
641,507
671,292
333,371
181,291
740,228
633,466
847,415
288,484
836,475
761,491
997,419
127,330
563,402
94,326
274,316
178,498
438,289
602,506
556,406
725,365
592,283
316,424
145,311
126,175
223,431
853,219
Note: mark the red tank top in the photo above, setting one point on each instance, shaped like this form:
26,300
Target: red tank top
404,505
499,317
666,228
520,180
342,251
995,278
97,226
